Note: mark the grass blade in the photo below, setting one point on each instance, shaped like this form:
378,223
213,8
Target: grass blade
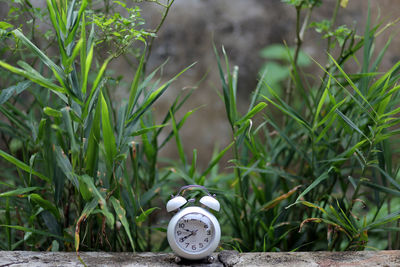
19,164
38,232
19,191
216,159
108,133
92,151
178,140
86,62
33,77
135,85
381,188
351,124
259,107
45,204
121,214
45,59
87,210
316,182
17,89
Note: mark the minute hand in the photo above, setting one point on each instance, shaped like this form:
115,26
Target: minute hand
186,237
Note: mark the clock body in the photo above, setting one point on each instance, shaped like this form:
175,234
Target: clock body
193,233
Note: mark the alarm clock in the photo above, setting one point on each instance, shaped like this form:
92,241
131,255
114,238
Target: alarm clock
193,232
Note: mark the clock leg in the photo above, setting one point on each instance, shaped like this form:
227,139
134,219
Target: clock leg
177,259
210,259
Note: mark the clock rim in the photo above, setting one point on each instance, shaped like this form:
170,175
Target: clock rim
193,255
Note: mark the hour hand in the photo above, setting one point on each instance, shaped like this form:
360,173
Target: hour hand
187,230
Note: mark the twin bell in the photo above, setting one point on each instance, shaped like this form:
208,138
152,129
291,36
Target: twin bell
178,201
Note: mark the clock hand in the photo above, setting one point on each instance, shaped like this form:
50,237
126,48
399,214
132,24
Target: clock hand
186,237
192,233
189,235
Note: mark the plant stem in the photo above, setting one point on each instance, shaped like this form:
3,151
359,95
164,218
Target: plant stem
397,240
240,178
333,20
8,222
150,46
300,31
298,44
359,183
149,223
389,225
328,49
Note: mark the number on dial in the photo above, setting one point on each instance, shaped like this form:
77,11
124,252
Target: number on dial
194,232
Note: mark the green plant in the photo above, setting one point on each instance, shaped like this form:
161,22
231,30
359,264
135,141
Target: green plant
118,31
330,161
81,180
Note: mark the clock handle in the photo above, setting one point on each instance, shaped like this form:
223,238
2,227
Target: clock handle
183,188
208,201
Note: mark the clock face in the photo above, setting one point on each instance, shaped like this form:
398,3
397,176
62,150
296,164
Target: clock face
194,232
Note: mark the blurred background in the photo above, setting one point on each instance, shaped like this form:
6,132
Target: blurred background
244,28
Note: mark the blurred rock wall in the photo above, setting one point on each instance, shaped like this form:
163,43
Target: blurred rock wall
243,27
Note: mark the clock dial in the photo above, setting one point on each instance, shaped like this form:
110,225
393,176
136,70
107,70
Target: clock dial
194,232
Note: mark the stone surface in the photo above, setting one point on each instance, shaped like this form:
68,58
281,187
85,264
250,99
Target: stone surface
224,258
229,257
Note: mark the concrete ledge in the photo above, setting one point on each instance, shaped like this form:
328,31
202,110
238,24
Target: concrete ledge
225,258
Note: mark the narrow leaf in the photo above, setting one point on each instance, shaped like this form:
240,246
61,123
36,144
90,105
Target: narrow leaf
108,133
351,124
252,112
316,182
279,199
34,231
92,151
45,59
19,191
17,89
121,214
45,204
142,217
135,84
22,165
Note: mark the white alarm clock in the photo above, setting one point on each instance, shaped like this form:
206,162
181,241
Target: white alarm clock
194,232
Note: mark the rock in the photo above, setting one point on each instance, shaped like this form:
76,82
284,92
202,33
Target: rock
225,258
229,257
